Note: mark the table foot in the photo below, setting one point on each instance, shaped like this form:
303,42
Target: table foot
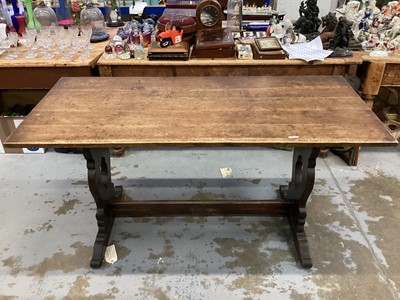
301,243
104,193
297,193
299,237
105,223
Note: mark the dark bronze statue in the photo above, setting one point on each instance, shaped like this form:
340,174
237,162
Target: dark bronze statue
340,43
308,23
329,23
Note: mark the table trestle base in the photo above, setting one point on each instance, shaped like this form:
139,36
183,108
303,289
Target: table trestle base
109,205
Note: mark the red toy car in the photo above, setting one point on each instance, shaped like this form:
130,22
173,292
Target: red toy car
171,36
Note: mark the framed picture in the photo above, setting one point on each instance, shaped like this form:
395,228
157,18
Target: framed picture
261,34
236,35
268,43
247,34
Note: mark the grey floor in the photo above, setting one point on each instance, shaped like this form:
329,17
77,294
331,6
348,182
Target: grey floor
48,226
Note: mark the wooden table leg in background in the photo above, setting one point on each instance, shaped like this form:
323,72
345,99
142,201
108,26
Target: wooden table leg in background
104,193
371,81
348,154
297,192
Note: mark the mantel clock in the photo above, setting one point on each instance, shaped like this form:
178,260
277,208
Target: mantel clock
208,15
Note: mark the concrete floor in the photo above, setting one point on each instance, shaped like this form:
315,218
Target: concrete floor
48,228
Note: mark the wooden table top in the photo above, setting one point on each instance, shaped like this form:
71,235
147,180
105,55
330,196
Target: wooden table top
203,111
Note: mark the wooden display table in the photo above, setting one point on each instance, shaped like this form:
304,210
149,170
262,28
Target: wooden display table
376,72
97,114
39,73
228,67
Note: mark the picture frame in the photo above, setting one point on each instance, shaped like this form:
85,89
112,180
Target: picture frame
247,34
261,34
236,35
268,43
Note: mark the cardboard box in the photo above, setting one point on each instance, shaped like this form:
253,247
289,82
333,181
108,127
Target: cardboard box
7,126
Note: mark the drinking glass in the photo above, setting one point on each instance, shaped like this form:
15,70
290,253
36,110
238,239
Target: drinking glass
60,39
4,45
87,47
28,39
44,39
13,39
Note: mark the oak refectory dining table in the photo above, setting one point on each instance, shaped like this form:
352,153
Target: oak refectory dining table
99,114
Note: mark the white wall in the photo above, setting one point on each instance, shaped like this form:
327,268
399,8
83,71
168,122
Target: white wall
291,7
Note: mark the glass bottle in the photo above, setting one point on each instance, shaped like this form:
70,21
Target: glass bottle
146,35
234,15
29,14
14,14
135,36
21,19
63,14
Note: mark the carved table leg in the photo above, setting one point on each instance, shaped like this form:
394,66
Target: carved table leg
300,187
103,192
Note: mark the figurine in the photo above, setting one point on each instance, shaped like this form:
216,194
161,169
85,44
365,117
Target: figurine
308,23
276,30
380,47
363,6
329,23
394,26
349,11
374,10
289,37
113,18
274,19
341,41
367,25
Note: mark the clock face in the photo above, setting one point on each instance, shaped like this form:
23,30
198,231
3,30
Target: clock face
209,15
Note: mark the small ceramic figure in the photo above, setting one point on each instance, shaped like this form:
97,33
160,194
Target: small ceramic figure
349,11
363,5
374,10
381,47
274,19
364,23
394,26
276,30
